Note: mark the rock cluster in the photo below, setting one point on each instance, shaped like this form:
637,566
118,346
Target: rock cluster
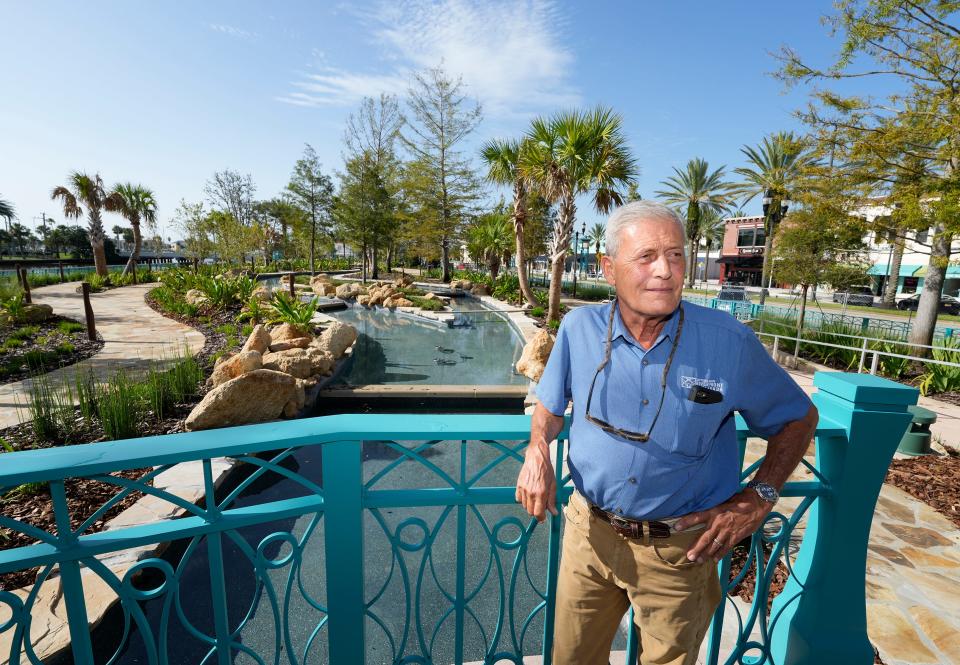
269,376
382,294
461,284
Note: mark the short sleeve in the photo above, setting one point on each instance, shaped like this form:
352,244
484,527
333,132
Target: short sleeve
766,395
553,389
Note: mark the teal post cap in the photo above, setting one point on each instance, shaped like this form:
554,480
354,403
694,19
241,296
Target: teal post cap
865,388
922,416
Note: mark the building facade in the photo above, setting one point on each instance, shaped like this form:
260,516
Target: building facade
741,256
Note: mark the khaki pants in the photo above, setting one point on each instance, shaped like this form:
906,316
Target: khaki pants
602,573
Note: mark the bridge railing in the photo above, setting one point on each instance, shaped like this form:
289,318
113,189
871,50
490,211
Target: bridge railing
396,539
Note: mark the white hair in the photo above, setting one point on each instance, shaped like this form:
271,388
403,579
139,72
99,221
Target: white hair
636,213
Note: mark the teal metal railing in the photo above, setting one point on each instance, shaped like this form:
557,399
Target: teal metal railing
396,539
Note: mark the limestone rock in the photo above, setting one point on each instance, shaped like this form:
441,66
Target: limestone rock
295,343
375,298
480,290
348,291
432,296
261,293
389,303
402,302
36,313
287,331
295,362
336,339
461,284
234,366
253,397
321,284
535,354
258,340
321,362
363,300
195,297
403,281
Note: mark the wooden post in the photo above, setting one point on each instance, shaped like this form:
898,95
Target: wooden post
293,291
60,265
195,262
88,312
26,286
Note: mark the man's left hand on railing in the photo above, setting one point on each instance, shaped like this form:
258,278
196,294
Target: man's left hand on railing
726,525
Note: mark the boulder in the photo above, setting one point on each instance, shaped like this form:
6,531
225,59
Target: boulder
295,343
535,354
287,331
403,281
261,293
254,397
321,362
258,340
431,296
295,362
348,291
195,297
375,298
233,366
292,408
480,290
389,303
402,302
320,284
363,301
336,339
36,313
461,284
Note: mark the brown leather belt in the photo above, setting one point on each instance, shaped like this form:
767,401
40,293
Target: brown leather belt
631,528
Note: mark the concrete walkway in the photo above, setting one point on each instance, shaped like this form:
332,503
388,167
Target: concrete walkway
134,336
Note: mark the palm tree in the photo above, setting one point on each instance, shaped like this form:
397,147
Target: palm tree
491,239
712,228
20,234
86,190
503,159
136,204
597,236
7,211
776,167
699,190
571,154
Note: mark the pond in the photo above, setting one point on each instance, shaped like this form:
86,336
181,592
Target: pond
402,348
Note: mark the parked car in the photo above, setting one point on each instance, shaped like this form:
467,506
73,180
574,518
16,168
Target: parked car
738,293
948,304
855,295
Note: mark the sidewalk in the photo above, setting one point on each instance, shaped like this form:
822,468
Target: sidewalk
134,336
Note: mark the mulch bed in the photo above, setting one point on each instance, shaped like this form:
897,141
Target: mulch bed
32,504
84,496
46,344
933,479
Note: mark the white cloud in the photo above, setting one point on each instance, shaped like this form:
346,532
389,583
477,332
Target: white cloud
233,31
510,54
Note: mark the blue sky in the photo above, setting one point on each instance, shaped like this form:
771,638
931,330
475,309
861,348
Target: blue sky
167,93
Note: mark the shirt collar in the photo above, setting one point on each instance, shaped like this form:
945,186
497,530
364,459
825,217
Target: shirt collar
620,329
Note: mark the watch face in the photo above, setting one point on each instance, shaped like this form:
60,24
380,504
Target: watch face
766,492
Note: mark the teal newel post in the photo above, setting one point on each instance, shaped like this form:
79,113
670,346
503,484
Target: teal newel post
343,529
820,617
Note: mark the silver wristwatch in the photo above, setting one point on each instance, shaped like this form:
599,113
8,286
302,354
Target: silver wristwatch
766,492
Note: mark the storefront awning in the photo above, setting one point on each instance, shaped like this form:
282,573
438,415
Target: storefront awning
905,270
953,272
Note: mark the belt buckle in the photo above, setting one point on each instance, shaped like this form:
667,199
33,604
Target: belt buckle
626,527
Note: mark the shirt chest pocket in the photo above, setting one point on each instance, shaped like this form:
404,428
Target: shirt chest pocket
695,426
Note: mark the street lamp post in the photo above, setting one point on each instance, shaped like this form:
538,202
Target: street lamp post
770,220
576,258
584,246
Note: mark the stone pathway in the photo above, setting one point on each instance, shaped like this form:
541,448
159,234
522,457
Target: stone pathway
134,336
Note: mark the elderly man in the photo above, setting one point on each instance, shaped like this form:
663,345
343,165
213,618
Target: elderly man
653,448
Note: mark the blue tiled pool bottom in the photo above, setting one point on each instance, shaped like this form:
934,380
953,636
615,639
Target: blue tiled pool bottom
399,348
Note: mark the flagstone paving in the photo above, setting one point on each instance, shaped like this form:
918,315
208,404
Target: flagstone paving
134,336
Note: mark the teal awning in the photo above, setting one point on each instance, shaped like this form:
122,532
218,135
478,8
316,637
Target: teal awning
905,270
953,272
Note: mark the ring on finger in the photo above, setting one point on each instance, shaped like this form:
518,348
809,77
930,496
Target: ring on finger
717,542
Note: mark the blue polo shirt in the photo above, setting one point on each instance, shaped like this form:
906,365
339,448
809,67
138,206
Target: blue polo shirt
691,461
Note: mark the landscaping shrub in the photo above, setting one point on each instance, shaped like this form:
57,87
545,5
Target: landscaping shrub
537,312
13,306
172,302
429,305
119,407
67,327
288,310
252,311
942,378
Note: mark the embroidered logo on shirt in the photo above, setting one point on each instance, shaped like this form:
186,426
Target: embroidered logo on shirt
691,381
